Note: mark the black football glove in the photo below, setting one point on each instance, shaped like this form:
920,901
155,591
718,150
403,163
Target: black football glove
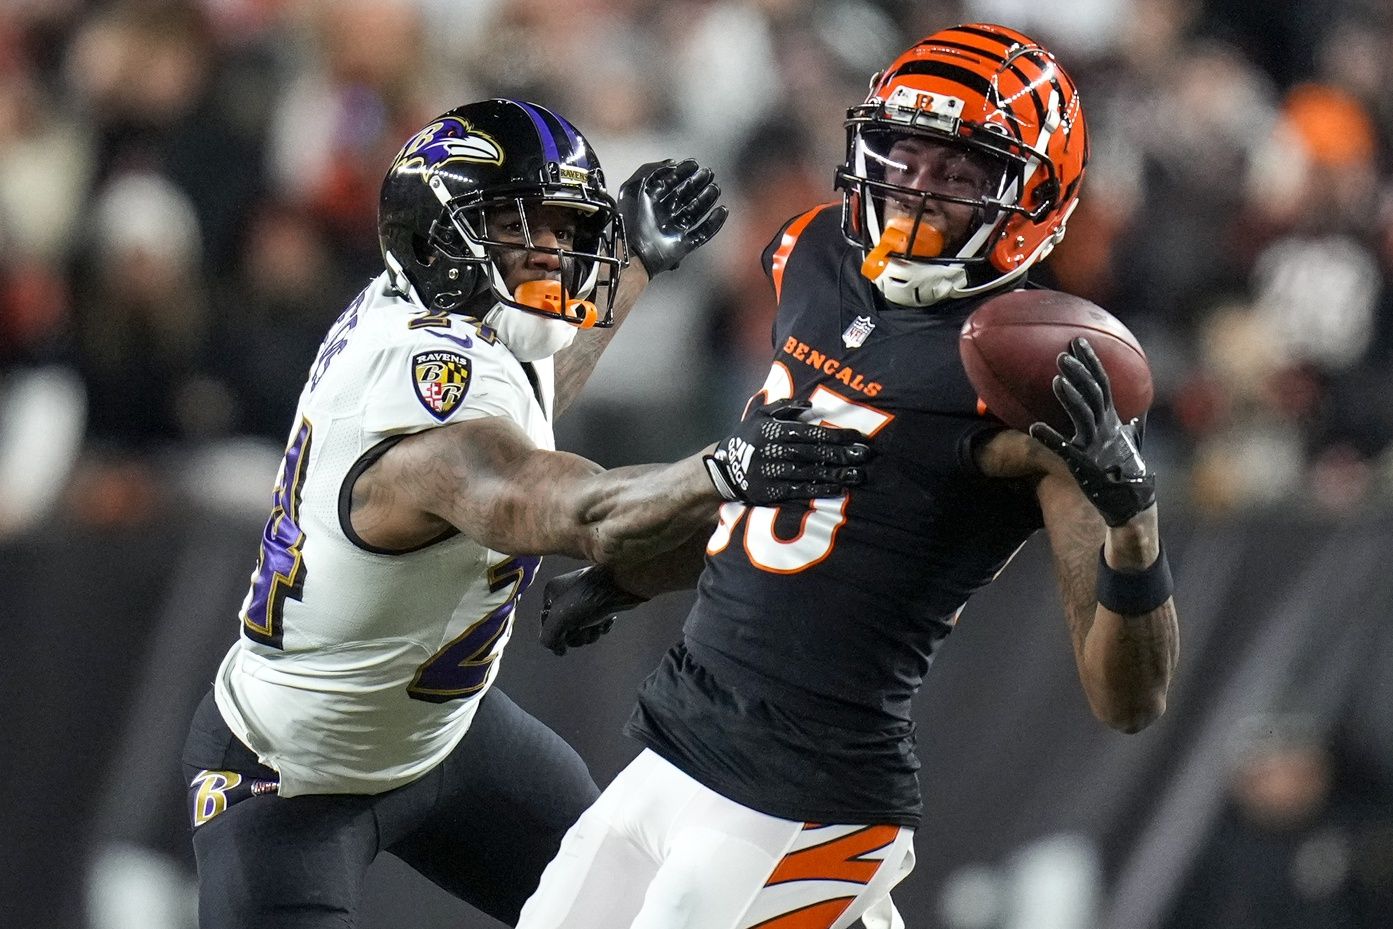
1104,454
773,458
580,606
667,211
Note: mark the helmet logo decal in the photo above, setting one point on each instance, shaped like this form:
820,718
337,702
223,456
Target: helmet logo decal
442,380
1052,117
1029,86
909,98
447,141
569,175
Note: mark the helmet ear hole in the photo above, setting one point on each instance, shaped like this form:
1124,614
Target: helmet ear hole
1045,193
421,250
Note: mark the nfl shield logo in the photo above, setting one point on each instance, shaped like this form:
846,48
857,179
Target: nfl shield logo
855,335
442,380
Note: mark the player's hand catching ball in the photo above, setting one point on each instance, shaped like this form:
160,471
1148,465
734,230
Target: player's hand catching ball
773,457
580,606
1105,454
667,211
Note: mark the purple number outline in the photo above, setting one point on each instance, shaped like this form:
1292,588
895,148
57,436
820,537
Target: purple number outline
337,339
461,668
280,566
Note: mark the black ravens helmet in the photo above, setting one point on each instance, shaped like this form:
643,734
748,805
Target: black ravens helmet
492,162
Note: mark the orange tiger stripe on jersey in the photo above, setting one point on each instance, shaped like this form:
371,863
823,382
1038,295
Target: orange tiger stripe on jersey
817,916
790,239
836,860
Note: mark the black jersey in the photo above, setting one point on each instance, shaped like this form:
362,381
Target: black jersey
814,624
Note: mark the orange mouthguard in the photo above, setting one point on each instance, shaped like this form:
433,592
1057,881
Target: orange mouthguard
928,243
545,295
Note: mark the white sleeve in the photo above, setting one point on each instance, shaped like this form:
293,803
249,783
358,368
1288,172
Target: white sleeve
423,382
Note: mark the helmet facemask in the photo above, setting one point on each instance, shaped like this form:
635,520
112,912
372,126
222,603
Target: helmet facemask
483,236
477,160
945,198
974,133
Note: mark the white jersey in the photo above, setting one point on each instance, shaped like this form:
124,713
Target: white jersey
359,670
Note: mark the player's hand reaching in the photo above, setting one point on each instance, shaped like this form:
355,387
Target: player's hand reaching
580,606
773,457
1105,454
667,211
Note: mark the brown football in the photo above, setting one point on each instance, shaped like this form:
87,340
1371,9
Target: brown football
1011,343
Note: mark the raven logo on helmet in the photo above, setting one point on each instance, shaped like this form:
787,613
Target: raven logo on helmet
490,170
446,141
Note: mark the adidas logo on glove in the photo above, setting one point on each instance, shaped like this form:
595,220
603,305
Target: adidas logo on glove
735,454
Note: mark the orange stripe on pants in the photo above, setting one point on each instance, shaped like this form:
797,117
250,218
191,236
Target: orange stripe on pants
837,860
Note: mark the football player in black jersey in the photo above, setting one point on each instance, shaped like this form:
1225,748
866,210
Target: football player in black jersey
778,783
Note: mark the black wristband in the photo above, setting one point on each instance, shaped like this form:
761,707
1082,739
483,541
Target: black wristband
1131,593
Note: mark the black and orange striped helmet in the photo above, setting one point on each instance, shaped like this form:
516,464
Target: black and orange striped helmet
1006,135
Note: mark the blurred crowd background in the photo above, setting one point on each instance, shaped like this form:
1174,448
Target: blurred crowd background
188,191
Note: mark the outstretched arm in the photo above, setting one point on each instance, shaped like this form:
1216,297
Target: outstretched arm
487,479
668,211
1125,659
576,362
495,486
1098,500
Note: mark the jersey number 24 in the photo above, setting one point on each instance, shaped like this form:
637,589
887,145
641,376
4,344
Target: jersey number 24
458,670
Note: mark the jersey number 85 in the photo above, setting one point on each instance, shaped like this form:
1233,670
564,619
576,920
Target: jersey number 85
817,534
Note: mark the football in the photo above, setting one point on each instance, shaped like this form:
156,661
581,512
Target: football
1010,346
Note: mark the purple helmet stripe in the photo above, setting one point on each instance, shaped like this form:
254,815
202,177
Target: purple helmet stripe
544,131
573,137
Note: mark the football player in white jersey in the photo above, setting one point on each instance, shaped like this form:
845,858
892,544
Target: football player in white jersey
419,489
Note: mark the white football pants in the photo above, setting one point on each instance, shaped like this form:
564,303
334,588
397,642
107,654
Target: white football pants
658,850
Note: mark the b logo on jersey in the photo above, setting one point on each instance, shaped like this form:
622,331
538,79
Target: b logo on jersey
444,142
442,380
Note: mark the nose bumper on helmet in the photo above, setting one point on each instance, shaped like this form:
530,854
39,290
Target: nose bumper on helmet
928,243
545,297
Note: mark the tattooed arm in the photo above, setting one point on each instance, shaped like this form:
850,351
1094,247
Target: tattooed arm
669,210
677,569
486,478
575,362
1125,663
